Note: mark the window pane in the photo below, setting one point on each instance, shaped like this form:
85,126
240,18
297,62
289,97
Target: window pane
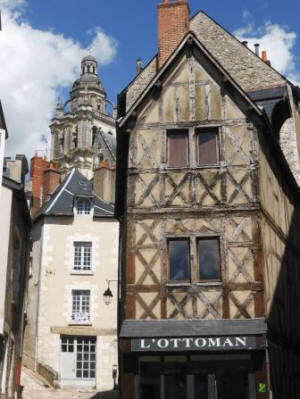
207,151
177,148
209,258
179,259
83,206
82,255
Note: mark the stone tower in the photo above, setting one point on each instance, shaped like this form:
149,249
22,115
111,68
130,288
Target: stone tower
82,131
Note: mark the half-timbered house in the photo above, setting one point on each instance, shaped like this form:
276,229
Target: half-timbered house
209,207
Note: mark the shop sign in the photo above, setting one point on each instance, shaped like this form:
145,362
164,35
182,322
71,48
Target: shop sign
193,344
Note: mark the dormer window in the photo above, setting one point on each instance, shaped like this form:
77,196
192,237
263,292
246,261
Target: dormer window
83,206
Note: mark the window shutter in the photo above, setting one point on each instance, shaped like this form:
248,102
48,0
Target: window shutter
207,147
178,148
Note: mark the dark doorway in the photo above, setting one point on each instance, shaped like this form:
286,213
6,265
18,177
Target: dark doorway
232,384
184,377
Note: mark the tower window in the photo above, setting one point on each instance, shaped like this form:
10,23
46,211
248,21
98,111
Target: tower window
83,206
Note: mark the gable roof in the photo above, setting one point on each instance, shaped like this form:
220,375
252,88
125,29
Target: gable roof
73,186
249,70
189,40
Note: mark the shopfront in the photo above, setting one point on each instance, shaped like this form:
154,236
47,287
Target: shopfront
194,367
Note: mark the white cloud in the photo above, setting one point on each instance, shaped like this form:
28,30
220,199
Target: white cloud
35,66
277,40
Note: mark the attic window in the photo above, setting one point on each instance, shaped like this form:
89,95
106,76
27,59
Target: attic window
83,206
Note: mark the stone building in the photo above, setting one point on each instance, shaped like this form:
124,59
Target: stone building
14,268
71,334
208,201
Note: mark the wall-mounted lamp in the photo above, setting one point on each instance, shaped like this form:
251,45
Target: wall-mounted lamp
114,375
108,295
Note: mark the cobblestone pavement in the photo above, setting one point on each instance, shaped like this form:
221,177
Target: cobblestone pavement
37,388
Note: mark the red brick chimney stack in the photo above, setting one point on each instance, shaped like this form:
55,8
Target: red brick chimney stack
42,182
51,180
264,57
173,24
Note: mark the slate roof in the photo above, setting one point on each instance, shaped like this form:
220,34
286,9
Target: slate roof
73,186
248,70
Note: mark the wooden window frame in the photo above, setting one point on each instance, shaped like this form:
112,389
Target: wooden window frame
198,131
197,263
183,130
189,280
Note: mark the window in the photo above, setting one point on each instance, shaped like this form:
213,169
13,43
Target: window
82,256
80,351
67,344
177,148
80,306
207,147
179,259
83,206
205,253
209,258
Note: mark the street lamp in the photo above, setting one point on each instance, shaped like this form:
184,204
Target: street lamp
108,295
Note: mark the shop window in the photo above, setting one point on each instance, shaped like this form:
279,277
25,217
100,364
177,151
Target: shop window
179,249
82,256
177,148
207,147
208,258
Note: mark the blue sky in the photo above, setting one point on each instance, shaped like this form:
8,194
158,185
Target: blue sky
133,24
43,41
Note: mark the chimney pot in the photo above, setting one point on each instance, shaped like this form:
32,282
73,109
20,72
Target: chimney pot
256,45
138,66
245,43
264,56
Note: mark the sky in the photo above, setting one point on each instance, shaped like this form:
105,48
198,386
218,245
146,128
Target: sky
43,41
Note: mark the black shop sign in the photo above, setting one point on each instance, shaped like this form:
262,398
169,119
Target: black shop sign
184,344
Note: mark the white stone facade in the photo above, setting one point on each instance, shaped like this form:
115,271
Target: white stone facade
50,295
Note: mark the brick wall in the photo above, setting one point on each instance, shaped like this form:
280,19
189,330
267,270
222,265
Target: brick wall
173,23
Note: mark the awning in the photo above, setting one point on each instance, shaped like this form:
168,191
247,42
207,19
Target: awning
191,328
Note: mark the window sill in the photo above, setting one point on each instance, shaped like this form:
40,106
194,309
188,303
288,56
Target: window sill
84,273
197,284
209,283
78,323
172,285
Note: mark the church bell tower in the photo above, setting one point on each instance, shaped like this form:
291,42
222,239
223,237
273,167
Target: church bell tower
83,131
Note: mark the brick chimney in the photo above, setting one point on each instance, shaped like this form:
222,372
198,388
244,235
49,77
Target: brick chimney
104,182
173,24
38,167
264,57
51,180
